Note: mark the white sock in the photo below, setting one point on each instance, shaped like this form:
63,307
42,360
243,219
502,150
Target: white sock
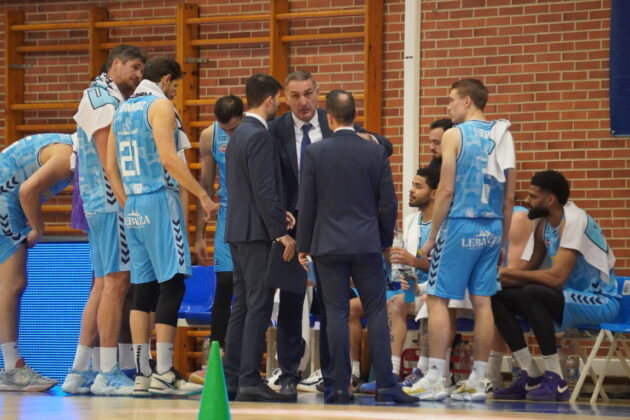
109,356
10,354
356,368
396,364
436,367
141,352
447,359
125,356
493,372
164,357
82,358
552,364
96,359
478,372
423,364
526,362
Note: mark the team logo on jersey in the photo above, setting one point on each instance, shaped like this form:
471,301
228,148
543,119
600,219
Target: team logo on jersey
481,240
134,219
223,148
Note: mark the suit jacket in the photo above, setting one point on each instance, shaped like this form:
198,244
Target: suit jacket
282,129
254,209
347,203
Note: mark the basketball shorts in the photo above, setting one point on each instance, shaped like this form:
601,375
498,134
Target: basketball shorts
587,308
466,256
154,223
13,226
108,243
222,254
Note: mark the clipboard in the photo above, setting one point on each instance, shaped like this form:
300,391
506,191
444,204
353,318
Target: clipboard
280,274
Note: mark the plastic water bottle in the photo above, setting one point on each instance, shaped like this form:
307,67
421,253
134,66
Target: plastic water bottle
403,270
205,353
573,370
396,267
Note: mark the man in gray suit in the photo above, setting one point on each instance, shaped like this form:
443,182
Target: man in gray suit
348,208
255,218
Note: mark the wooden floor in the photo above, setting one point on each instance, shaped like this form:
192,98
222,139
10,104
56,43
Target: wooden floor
55,405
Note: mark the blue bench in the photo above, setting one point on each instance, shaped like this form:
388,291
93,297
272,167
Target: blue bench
196,307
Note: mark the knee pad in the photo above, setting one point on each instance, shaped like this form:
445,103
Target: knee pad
171,295
145,296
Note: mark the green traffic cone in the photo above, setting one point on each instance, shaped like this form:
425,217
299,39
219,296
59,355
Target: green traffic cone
214,400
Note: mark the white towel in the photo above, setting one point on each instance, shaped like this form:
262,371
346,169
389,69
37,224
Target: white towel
92,119
502,157
583,235
147,87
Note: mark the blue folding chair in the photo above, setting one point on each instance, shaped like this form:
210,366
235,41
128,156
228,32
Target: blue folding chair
196,307
614,332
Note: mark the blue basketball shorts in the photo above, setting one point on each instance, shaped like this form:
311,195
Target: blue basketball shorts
13,226
108,243
157,237
466,255
222,254
587,308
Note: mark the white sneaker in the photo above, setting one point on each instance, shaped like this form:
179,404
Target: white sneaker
113,383
78,382
450,385
274,380
491,385
310,384
470,392
427,390
23,378
142,385
171,383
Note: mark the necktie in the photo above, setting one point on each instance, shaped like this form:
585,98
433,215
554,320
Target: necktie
306,140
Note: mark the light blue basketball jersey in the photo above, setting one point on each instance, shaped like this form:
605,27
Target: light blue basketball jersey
141,170
96,192
20,160
219,147
477,194
584,277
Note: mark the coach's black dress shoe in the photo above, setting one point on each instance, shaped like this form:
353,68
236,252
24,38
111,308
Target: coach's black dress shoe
394,394
261,393
339,397
288,387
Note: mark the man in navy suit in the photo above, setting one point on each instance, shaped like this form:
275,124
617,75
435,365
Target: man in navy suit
293,132
348,209
255,218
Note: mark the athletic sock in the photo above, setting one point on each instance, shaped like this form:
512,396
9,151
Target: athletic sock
164,357
141,352
447,359
436,367
478,372
356,368
396,365
108,358
493,372
82,358
10,355
526,362
552,364
125,356
96,359
423,364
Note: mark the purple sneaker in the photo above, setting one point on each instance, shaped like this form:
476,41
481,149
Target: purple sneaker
552,388
519,388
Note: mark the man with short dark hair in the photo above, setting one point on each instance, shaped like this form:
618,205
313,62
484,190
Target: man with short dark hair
566,278
213,144
146,171
348,194
438,128
293,132
255,218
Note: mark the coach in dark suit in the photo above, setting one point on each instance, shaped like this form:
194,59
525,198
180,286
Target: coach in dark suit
347,208
294,131
255,217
